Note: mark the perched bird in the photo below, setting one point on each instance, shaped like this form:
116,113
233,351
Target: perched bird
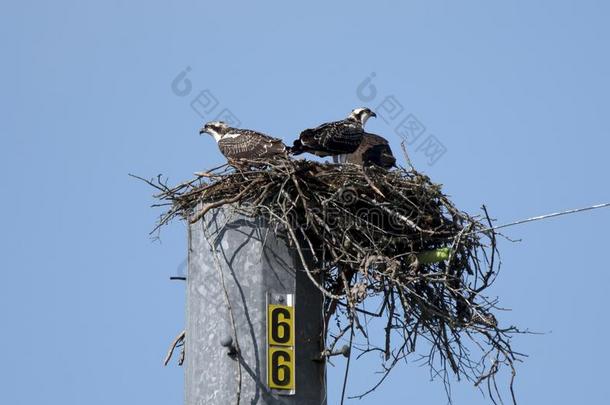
373,150
237,143
335,139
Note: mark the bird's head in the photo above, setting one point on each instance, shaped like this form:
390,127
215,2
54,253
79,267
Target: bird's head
362,114
215,128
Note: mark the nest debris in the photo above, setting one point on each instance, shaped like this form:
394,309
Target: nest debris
390,239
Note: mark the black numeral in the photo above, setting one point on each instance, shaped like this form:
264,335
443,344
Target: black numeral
280,328
280,371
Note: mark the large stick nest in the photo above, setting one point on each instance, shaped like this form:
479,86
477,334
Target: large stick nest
368,237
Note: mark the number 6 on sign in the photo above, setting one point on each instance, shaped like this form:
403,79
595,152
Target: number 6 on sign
281,368
280,325
280,344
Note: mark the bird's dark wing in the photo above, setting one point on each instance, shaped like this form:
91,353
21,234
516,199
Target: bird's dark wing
248,144
373,149
332,138
380,155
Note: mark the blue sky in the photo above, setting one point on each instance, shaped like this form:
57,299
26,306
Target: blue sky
516,93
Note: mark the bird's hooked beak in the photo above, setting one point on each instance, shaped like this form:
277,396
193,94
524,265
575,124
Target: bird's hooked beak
203,130
373,114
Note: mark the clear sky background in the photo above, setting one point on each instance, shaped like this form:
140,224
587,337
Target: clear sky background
517,94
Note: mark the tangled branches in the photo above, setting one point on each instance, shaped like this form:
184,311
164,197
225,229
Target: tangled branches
390,240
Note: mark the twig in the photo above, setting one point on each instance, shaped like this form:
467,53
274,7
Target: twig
217,204
179,339
406,155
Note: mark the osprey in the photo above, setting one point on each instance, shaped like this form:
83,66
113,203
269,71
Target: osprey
236,143
373,150
334,139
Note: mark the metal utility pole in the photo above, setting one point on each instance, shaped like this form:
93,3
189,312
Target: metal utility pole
253,316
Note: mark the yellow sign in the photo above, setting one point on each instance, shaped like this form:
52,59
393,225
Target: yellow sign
280,347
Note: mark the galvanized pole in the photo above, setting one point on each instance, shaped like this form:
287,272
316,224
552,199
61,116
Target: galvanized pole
254,319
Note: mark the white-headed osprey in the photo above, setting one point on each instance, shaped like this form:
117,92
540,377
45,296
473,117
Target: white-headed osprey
373,150
335,139
237,143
